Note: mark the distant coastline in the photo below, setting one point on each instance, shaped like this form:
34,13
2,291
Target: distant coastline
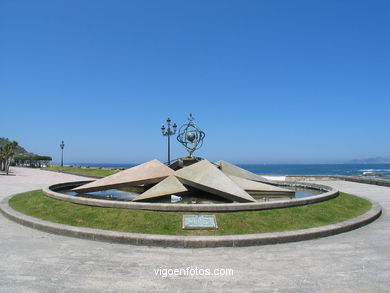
377,160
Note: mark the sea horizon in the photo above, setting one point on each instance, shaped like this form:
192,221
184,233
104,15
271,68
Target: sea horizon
283,169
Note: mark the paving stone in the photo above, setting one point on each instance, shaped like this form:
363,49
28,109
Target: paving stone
35,261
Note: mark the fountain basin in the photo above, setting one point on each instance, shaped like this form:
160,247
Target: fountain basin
327,192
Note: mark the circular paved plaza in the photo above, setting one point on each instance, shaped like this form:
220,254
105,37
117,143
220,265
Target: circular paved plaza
35,261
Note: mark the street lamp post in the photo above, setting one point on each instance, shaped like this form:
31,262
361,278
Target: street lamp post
168,133
62,145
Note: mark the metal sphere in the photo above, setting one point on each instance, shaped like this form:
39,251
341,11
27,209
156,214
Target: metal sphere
190,136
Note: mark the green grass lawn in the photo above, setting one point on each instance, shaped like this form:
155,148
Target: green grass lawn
83,171
36,204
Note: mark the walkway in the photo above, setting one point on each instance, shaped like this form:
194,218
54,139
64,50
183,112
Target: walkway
34,261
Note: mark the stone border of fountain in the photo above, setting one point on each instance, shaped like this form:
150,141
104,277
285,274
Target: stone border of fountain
191,241
329,193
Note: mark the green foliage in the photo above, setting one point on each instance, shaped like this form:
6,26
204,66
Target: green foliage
32,158
36,204
83,171
35,161
7,152
19,149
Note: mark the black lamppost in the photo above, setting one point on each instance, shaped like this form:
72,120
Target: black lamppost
168,133
62,145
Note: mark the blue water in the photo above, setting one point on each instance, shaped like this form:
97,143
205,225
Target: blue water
318,169
291,169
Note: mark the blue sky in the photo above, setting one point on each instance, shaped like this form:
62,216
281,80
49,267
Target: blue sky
268,81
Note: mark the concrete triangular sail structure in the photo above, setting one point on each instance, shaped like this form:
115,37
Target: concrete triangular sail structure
207,177
259,187
227,181
170,185
147,173
234,170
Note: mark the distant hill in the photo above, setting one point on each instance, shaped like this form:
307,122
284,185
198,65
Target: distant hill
19,150
377,160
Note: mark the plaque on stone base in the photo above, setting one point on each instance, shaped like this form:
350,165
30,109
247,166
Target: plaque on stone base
199,222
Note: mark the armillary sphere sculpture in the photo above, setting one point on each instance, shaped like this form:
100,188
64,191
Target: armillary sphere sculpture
191,136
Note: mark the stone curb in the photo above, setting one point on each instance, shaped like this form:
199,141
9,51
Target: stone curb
190,241
230,207
379,182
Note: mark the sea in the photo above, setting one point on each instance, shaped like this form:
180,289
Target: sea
379,170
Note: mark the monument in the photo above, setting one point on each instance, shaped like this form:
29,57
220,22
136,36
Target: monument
190,175
191,136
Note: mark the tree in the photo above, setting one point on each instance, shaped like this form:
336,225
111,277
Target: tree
34,161
7,152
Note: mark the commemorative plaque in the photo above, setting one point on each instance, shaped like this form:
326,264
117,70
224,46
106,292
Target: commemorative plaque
199,222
